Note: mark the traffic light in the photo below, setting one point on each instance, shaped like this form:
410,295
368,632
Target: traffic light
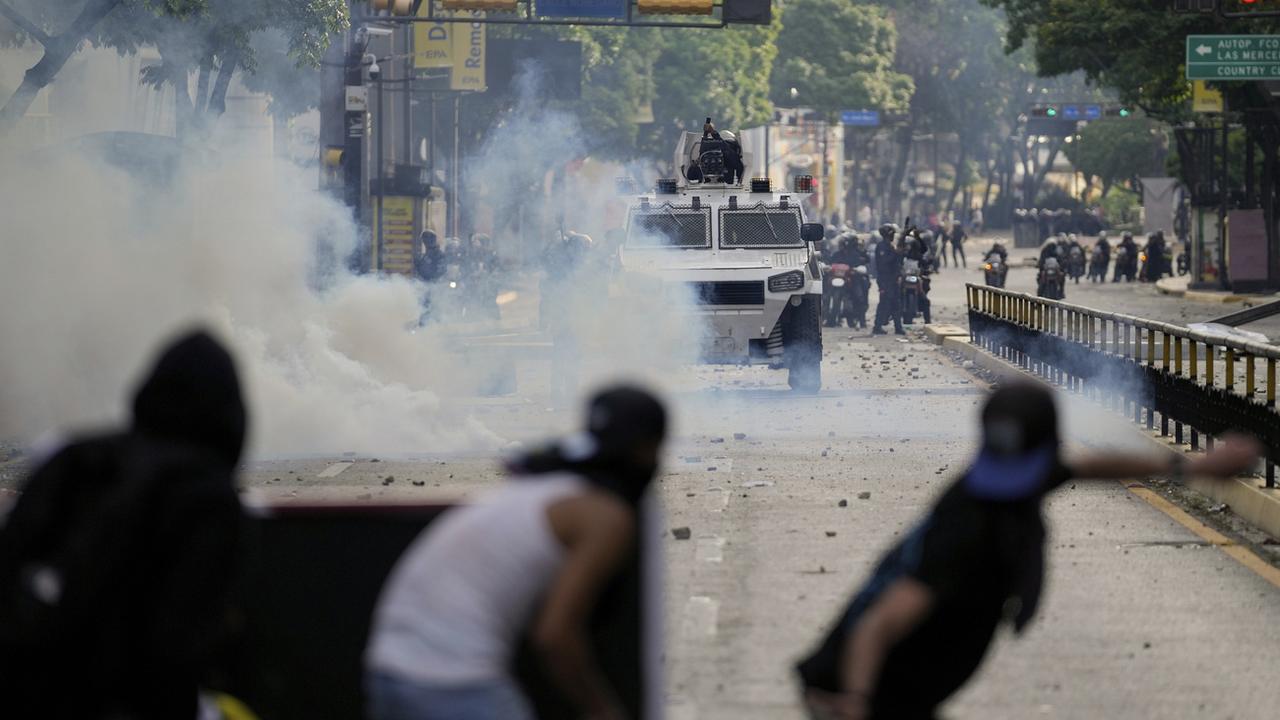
393,7
1119,112
1044,111
675,7
489,5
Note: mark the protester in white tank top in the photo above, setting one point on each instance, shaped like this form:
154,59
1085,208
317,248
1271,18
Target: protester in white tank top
528,560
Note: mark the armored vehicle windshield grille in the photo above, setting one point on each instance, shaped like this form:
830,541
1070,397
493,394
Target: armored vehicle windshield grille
670,226
728,292
760,227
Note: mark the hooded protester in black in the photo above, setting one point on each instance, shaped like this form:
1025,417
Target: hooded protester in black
117,561
980,551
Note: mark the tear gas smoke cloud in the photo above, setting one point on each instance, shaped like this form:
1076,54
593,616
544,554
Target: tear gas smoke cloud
101,266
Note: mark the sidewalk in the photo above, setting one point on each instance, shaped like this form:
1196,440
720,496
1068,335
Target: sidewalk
1177,286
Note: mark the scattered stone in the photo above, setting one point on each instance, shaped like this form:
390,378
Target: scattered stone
711,468
1221,507
375,460
831,433
757,484
419,483
864,495
831,533
365,496
275,479
388,480
967,364
681,533
717,440
824,453
739,436
843,503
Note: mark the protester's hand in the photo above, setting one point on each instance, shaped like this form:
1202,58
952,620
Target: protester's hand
1236,453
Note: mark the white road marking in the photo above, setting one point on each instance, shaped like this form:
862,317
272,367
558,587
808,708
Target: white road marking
710,549
717,499
334,469
700,616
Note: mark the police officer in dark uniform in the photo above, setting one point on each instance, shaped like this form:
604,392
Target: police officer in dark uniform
888,281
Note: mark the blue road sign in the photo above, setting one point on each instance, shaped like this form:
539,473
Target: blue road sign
582,8
1092,112
1071,112
861,118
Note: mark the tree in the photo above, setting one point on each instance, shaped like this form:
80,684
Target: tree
35,20
724,76
837,55
1119,150
214,39
209,37
1135,48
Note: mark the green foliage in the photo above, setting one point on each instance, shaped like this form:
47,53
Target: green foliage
838,55
1120,206
723,75
1136,48
1116,150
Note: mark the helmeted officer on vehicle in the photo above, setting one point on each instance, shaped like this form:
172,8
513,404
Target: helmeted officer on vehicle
888,281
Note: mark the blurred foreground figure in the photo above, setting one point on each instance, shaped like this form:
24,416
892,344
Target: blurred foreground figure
922,623
117,561
529,560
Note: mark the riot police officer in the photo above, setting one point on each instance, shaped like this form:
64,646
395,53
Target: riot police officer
888,279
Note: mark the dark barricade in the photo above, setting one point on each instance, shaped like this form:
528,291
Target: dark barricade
1136,366
307,602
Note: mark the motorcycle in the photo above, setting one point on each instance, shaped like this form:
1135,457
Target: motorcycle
847,294
1125,263
995,270
1075,264
1097,265
1051,283
912,289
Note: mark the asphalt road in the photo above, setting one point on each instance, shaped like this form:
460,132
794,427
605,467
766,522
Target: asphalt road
1141,619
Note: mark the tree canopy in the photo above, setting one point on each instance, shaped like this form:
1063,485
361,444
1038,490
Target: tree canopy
837,55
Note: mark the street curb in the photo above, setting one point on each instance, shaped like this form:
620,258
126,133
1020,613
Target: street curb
1177,287
936,334
1259,506
1170,286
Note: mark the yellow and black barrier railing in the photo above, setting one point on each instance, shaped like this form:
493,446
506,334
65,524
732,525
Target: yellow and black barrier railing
1144,368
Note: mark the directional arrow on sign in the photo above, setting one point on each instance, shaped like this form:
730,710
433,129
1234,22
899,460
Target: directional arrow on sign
1203,50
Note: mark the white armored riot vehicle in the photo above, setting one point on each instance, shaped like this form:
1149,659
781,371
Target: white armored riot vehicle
742,252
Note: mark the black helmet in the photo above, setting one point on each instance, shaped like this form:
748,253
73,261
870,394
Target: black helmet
1127,235
888,231
926,236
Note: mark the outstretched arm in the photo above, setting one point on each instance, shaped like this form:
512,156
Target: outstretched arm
1234,455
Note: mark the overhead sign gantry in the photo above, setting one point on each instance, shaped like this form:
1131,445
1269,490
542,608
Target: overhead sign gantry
608,13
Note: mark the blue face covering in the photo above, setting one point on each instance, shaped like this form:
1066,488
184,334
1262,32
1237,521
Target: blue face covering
1010,477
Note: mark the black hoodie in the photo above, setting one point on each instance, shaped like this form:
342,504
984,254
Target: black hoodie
117,561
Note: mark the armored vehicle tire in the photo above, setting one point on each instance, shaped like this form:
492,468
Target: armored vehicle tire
803,342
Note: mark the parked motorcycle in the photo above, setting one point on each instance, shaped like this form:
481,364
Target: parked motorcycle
912,290
1051,281
1126,265
1075,263
845,296
995,270
1097,265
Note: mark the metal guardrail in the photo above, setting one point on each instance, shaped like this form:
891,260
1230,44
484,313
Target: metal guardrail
1142,367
